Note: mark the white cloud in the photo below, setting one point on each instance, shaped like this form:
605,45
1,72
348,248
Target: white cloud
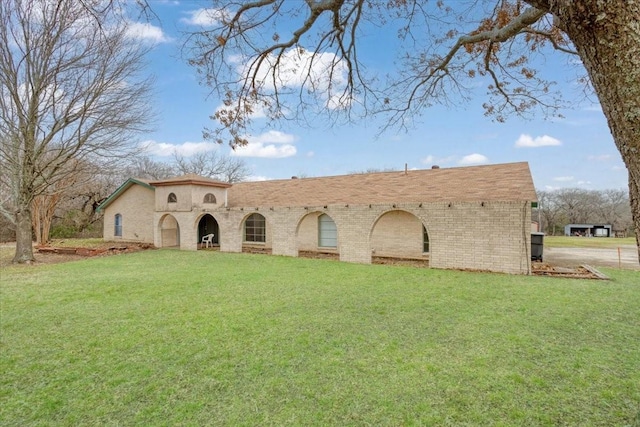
274,137
322,73
146,32
299,65
258,178
539,141
432,160
272,144
583,182
428,160
206,17
473,159
269,151
163,149
310,154
563,178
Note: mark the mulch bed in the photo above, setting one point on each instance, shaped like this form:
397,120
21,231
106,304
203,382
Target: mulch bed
108,248
579,272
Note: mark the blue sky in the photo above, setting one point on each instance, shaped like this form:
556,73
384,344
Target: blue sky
574,151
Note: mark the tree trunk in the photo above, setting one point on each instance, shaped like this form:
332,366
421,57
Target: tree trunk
605,34
24,239
42,211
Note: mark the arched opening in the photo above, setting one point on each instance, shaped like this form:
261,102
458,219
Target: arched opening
169,232
209,198
317,236
399,235
208,225
171,198
255,229
255,235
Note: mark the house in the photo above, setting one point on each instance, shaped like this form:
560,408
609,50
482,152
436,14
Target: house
476,217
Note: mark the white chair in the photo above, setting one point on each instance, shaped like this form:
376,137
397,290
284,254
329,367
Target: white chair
207,240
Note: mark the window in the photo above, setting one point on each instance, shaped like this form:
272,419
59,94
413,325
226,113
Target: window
172,198
254,228
425,240
117,225
327,232
209,198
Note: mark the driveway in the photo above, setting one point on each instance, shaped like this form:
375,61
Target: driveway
596,257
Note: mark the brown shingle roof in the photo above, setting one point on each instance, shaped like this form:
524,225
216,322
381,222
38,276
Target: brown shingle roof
501,182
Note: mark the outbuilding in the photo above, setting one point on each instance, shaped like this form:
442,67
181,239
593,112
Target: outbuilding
588,230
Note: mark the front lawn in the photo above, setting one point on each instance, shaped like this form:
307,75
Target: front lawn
206,338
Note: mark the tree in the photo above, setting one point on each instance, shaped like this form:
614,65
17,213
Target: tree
212,165
560,207
258,49
145,167
71,92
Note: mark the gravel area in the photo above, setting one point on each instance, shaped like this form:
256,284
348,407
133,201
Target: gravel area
597,257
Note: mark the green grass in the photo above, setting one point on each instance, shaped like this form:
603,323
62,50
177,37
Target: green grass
205,338
587,242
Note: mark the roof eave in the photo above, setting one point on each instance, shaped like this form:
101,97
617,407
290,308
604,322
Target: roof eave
128,183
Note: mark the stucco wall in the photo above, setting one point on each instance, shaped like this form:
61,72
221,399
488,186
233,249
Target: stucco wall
136,206
183,195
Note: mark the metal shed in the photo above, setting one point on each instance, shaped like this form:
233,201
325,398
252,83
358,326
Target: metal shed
588,230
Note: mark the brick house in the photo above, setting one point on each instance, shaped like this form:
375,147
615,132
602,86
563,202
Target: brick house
476,217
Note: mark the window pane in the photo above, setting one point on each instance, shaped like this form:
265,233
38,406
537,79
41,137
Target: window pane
425,240
327,232
255,228
118,225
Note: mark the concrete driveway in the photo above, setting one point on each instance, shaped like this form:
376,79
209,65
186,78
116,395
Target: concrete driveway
596,257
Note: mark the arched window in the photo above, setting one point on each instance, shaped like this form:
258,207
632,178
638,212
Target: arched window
172,198
117,222
255,228
425,240
327,232
209,198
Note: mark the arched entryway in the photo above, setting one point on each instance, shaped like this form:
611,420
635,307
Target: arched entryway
169,232
317,236
208,225
399,234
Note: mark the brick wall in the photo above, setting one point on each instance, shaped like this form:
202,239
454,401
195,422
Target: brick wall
493,236
136,205
397,234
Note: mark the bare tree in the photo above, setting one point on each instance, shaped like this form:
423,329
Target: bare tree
578,206
45,204
146,168
71,88
212,165
262,53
